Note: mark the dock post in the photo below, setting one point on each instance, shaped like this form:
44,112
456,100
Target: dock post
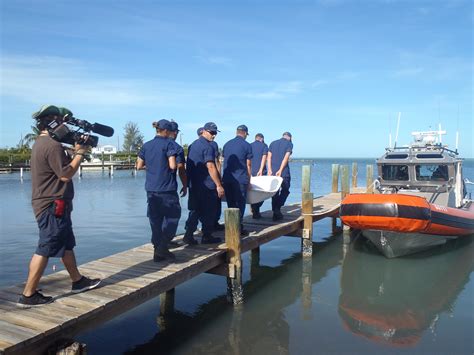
306,179
21,173
254,261
307,287
235,291
335,177
80,171
307,212
334,225
370,179
166,307
354,175
344,191
111,171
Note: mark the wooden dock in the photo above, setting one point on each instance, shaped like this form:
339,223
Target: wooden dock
131,278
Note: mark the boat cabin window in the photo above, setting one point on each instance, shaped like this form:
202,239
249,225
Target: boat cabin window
429,156
432,172
395,172
396,156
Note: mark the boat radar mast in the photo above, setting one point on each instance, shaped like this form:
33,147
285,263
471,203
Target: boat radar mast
428,137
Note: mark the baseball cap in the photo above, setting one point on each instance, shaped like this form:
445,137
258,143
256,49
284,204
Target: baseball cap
199,131
46,110
287,134
259,135
211,127
243,127
164,124
173,126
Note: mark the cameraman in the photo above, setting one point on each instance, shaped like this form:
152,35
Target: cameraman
52,193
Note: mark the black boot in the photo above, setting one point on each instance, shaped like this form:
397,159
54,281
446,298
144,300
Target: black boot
189,239
163,254
209,239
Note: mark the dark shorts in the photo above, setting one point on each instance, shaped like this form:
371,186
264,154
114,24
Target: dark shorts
55,234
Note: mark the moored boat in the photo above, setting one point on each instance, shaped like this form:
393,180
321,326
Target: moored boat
420,200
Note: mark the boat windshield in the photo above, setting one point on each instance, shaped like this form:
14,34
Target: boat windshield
431,172
395,172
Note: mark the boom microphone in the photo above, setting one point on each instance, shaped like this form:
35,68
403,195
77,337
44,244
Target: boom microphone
103,130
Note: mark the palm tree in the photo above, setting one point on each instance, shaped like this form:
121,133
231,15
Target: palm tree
31,137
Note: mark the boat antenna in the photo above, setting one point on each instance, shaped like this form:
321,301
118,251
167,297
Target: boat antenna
457,131
439,134
398,127
390,131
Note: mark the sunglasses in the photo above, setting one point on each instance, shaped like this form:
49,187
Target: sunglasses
213,133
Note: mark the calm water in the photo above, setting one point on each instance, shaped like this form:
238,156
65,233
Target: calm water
344,300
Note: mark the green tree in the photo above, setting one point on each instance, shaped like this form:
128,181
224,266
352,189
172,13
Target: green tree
133,139
30,138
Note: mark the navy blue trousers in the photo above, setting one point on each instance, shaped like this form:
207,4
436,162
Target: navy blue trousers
202,205
164,213
236,196
279,199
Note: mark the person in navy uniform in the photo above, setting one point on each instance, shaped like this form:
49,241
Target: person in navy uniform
193,219
278,156
259,161
217,225
180,159
205,185
164,211
237,170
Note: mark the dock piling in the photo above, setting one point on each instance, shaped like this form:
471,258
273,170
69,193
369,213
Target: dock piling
344,187
306,179
335,177
235,291
307,211
370,179
354,175
344,181
307,287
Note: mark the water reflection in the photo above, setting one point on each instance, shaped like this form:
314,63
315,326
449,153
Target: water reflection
259,326
393,301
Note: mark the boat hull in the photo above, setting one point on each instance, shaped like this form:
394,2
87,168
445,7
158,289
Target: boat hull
395,244
401,224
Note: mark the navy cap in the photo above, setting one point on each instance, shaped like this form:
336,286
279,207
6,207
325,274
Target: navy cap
259,135
287,134
173,126
243,127
164,124
199,131
211,127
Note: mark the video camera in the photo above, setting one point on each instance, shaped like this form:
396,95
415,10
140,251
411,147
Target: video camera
60,131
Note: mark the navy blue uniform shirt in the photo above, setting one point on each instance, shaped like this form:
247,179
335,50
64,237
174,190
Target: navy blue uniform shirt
278,149
236,152
179,153
259,149
201,153
155,154
216,149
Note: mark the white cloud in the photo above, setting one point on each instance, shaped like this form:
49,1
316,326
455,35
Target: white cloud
408,72
214,60
67,81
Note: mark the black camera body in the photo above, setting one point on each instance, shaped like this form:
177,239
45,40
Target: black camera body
62,133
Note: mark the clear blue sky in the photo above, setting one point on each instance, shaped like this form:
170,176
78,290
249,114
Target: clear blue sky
335,73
